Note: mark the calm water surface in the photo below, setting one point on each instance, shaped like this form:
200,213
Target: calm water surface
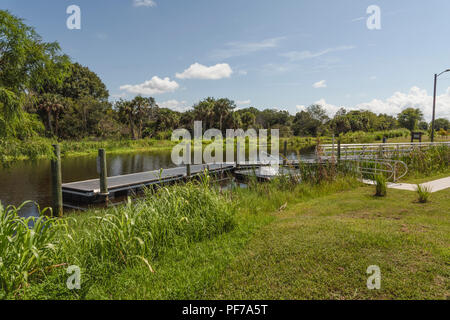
31,180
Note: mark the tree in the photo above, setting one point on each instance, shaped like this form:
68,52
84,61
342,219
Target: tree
27,64
248,120
441,123
51,105
423,125
409,118
311,122
222,109
204,111
136,113
142,109
166,120
82,82
126,111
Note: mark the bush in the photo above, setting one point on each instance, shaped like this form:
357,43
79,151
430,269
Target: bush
423,193
381,186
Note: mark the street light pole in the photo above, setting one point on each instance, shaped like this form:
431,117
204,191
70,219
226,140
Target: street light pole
434,107
434,102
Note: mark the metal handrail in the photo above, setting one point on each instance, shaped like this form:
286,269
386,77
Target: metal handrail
390,144
384,150
392,167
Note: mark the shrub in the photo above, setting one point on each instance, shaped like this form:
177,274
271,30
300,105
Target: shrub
424,193
381,186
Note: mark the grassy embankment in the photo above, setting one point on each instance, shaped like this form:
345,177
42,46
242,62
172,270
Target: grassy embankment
276,240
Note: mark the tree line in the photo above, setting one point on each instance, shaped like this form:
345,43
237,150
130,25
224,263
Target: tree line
44,93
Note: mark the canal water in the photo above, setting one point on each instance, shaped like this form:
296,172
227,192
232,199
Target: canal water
31,180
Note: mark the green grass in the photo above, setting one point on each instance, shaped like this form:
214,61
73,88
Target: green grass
320,249
185,234
104,243
277,240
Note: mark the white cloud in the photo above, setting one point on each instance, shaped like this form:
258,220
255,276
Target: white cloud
144,3
300,107
175,105
303,55
415,98
199,71
235,49
320,84
243,102
119,95
154,86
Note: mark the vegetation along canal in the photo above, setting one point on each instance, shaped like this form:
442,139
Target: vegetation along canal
31,180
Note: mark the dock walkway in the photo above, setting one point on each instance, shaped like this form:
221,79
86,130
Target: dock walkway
91,188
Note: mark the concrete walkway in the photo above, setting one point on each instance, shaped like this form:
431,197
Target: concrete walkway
435,186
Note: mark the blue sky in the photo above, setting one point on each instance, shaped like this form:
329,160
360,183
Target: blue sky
283,54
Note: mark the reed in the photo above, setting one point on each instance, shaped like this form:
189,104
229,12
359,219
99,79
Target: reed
27,246
435,159
423,193
380,185
101,242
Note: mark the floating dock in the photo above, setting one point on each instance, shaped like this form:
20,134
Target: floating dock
88,191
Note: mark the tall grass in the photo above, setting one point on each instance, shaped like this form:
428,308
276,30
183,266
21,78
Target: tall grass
170,217
104,242
435,159
423,193
380,185
26,246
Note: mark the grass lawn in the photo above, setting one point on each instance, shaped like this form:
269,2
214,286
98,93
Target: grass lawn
308,242
320,249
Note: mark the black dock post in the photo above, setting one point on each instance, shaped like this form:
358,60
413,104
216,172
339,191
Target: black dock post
57,182
103,174
285,153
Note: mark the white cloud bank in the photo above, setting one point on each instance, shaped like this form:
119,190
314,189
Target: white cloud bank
174,105
415,98
199,71
144,3
150,87
320,84
243,102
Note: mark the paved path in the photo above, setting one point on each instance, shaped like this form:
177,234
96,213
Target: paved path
435,186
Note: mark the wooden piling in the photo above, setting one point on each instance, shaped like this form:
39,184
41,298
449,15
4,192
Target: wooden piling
103,174
57,182
285,152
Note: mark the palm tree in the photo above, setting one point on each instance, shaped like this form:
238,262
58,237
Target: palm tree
143,108
127,111
51,104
